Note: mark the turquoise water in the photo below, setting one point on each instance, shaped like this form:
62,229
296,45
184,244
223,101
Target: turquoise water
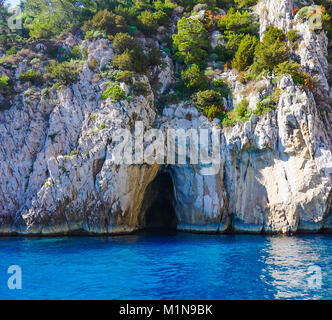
173,266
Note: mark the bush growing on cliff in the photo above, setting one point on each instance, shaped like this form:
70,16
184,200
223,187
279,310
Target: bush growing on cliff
5,83
238,22
210,103
123,41
141,88
245,54
245,3
147,22
125,76
65,73
191,41
30,75
129,54
106,21
192,77
294,69
272,51
115,93
264,105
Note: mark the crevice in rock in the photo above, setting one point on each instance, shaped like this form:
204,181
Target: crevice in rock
157,211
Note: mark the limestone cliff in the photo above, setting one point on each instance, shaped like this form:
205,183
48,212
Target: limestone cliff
58,175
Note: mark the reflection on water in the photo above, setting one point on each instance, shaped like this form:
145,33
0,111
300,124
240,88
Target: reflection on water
288,263
168,266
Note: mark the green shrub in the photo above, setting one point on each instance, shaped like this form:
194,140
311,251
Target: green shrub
5,83
208,98
155,56
130,54
147,23
245,3
220,86
241,111
272,51
238,22
124,61
293,35
233,42
75,53
264,105
141,88
85,53
30,75
123,41
162,18
11,51
191,41
106,21
65,73
93,64
245,54
125,76
115,93
95,34
294,69
192,77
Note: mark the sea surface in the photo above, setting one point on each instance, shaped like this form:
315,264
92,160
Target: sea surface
168,266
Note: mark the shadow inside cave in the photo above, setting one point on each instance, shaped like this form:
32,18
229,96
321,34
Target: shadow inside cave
158,214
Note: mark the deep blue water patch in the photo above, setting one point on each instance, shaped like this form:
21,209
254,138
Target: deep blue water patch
173,266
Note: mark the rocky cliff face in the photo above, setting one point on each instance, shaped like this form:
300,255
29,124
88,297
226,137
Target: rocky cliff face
58,175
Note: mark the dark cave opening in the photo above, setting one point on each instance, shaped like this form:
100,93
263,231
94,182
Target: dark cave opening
160,214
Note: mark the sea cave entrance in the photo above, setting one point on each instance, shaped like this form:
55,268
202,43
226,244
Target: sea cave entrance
158,205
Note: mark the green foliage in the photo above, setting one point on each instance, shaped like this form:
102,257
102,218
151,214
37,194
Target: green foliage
141,88
30,75
191,41
115,93
65,73
48,18
93,64
238,22
125,76
106,21
192,77
75,53
208,98
5,83
264,105
288,67
293,35
73,153
210,103
233,42
220,86
245,54
147,23
123,41
241,110
11,51
240,113
124,61
164,5
85,53
155,57
129,54
272,51
245,3
294,69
